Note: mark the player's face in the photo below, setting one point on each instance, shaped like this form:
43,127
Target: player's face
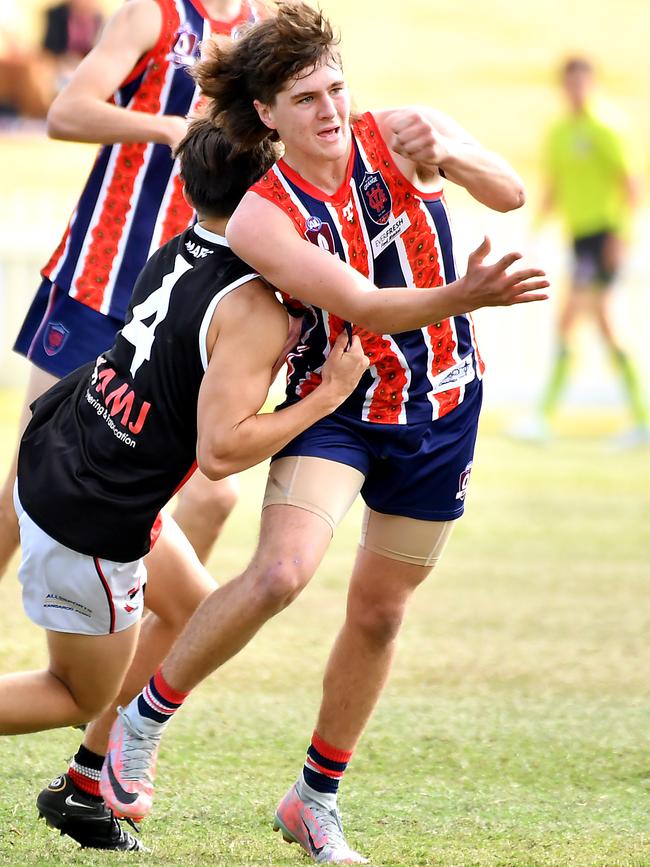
312,114
578,85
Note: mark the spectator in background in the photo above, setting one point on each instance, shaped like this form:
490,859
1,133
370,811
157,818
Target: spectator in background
20,91
31,78
592,182
71,32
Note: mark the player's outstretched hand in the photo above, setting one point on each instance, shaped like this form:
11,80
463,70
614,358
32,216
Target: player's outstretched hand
344,367
493,286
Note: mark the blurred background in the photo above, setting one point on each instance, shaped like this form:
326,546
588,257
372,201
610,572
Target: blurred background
491,65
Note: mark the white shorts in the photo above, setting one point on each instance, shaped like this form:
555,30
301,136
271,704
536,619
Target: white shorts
66,591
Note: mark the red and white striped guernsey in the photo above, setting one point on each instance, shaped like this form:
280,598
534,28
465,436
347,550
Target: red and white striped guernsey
395,235
132,202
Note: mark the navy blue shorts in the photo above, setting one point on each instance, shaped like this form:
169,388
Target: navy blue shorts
591,261
415,471
60,334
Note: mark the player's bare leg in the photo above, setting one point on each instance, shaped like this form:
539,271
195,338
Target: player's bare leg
202,508
69,691
292,544
177,583
357,670
355,676
574,306
639,434
39,381
362,655
537,427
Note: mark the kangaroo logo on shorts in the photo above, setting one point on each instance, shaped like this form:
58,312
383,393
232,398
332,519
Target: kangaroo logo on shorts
54,337
463,482
320,233
376,198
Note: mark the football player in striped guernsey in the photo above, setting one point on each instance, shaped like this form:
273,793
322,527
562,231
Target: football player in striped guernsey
351,201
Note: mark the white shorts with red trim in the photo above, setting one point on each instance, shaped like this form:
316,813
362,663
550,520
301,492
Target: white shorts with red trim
66,591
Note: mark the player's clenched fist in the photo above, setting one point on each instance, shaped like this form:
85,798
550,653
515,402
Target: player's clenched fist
344,367
415,138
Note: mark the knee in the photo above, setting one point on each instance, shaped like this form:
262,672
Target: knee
279,583
176,611
223,500
379,621
209,502
173,617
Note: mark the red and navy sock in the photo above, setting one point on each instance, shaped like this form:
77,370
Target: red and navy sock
84,771
158,701
324,765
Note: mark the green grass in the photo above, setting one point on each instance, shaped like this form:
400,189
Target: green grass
514,731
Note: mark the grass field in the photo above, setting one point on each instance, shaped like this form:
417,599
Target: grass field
515,728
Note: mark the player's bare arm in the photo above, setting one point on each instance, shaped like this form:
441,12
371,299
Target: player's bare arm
425,141
81,112
316,277
249,331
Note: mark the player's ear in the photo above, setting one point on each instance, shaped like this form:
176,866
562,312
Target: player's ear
265,114
187,197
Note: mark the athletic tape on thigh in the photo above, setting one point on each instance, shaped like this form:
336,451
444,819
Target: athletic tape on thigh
323,487
406,539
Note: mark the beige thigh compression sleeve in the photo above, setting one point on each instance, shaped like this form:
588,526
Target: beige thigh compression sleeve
326,488
407,539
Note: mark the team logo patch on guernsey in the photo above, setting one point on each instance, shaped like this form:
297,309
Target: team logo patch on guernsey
320,233
376,198
463,482
54,337
185,51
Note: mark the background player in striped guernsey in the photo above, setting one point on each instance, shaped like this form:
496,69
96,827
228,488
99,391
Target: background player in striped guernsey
124,429
346,203
132,95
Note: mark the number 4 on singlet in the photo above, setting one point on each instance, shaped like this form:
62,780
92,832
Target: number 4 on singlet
141,335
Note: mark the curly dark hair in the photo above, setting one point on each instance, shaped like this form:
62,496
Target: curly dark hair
257,66
215,173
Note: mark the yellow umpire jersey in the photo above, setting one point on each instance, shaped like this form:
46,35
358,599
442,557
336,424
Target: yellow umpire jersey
587,160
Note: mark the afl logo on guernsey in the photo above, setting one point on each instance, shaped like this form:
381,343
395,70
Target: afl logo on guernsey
376,197
54,337
185,51
320,233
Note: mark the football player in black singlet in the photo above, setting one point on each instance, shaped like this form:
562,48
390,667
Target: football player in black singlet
110,444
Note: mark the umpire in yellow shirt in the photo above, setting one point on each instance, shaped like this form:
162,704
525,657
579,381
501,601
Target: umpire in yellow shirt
592,181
